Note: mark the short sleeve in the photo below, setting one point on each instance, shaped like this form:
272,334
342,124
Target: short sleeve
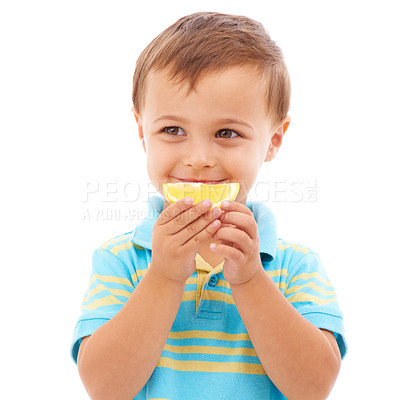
310,291
110,287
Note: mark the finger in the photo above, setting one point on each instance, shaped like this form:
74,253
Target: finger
235,206
228,243
242,221
174,210
237,237
198,240
185,218
228,252
198,225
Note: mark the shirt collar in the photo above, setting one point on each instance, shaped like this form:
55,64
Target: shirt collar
264,217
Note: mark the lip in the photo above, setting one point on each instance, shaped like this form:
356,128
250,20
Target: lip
207,181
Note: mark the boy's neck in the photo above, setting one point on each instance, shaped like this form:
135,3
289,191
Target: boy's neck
210,257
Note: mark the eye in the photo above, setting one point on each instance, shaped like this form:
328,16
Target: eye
227,133
173,130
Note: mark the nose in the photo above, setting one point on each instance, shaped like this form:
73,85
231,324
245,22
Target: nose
199,154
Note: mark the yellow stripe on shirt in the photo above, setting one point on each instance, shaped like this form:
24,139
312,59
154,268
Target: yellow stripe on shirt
124,246
104,301
225,351
101,287
306,297
111,278
311,275
211,295
277,272
295,246
312,285
211,366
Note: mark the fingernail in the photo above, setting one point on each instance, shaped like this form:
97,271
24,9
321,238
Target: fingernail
207,203
215,212
225,204
216,223
213,246
188,200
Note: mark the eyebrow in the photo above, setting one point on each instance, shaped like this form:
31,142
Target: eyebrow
234,121
170,118
220,121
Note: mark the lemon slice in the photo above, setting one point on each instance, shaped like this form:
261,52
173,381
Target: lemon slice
200,191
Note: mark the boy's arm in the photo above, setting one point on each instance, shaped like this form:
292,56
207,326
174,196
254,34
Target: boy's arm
117,360
119,357
301,360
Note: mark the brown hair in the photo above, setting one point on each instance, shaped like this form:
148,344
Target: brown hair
209,41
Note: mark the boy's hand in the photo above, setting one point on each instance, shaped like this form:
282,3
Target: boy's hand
180,230
239,243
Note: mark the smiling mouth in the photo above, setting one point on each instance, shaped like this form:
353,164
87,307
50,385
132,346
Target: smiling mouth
206,181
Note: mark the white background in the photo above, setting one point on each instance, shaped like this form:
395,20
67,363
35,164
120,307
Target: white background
66,125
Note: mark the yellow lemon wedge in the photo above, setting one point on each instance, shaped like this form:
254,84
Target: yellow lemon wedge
200,191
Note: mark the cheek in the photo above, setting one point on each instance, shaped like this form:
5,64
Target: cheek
158,162
247,160
153,166
248,167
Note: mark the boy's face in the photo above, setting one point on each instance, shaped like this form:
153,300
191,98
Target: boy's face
219,133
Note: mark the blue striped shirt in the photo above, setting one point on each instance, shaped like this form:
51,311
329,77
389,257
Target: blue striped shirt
208,353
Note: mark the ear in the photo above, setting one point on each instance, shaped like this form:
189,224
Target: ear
140,127
276,139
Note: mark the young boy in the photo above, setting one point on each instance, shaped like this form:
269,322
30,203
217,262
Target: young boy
200,302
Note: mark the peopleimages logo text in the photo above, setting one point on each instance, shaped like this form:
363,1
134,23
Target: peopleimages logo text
119,200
